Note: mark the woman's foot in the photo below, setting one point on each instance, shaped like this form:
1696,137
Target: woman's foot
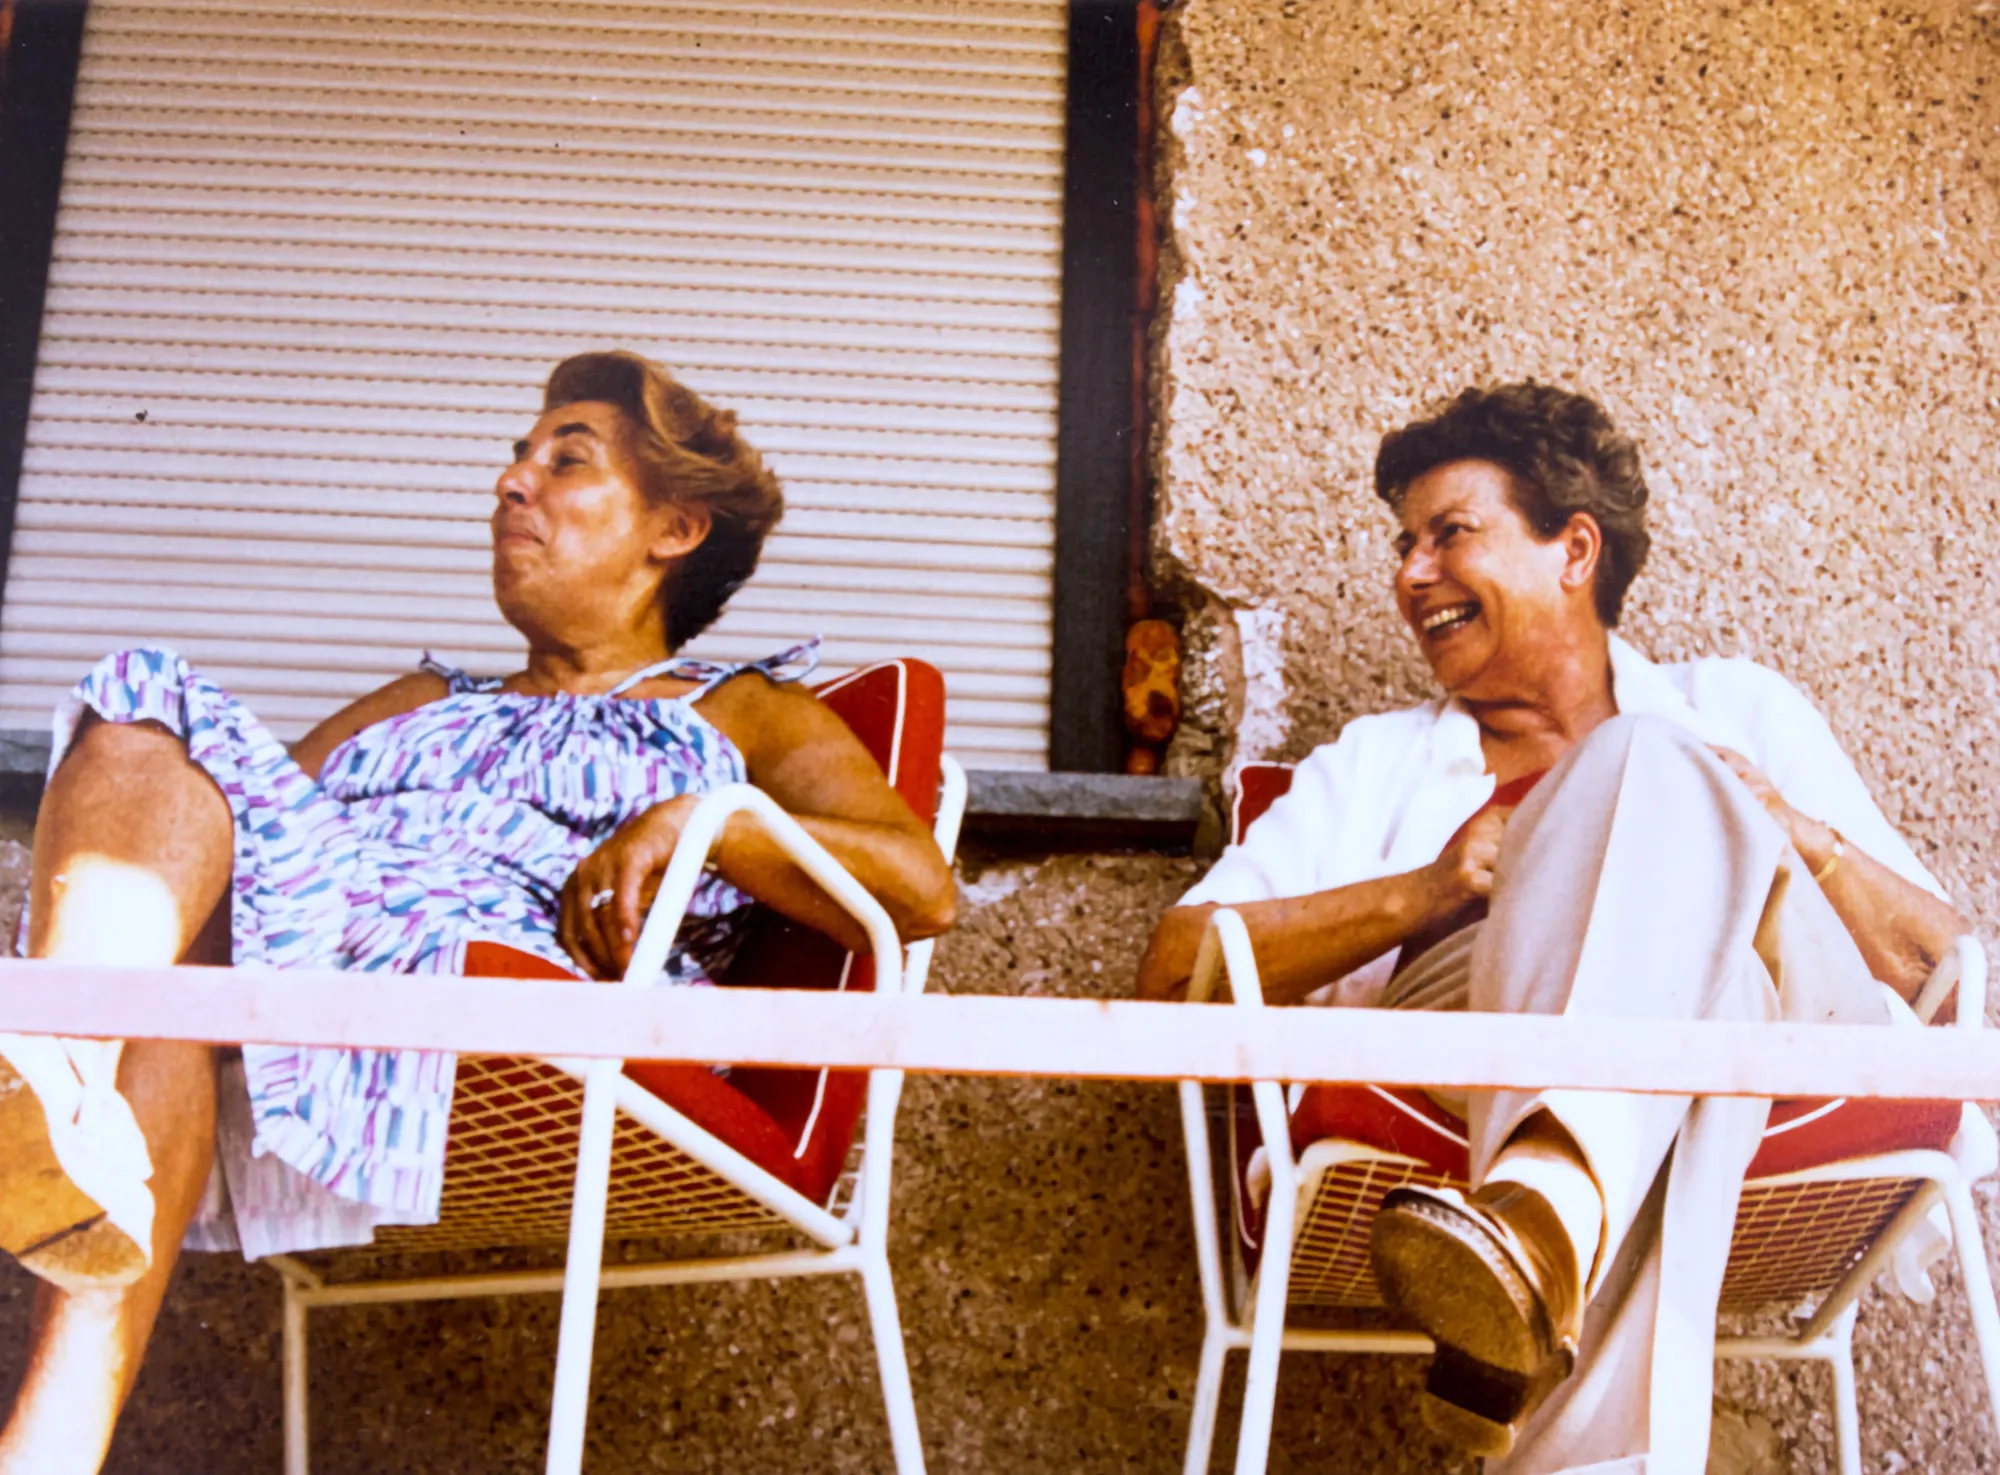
74,1203
1492,1279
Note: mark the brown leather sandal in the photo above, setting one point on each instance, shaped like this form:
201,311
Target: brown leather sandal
48,1223
1480,1277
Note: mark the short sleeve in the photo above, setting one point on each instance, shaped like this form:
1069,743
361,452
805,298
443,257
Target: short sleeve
1799,753
1286,850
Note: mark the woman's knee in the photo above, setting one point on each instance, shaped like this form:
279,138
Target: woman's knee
1628,729
1639,734
121,745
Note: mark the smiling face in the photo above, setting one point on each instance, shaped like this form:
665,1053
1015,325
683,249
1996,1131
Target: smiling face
579,549
1489,602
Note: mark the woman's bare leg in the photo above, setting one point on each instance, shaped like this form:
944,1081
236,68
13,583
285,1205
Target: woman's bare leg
133,855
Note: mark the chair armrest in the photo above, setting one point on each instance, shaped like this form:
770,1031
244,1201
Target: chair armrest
1225,950
698,840
1963,968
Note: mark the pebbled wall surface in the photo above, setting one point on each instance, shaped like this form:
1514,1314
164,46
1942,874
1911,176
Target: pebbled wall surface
1764,236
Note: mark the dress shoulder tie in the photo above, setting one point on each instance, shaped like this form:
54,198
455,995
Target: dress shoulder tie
794,663
456,680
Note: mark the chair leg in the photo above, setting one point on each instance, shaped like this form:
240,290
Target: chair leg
1846,1406
905,1439
1977,1275
1267,1334
569,1408
297,1438
1207,1400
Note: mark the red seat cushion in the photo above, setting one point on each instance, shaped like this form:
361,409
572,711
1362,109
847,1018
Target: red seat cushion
1811,1134
897,709
1799,1135
716,1104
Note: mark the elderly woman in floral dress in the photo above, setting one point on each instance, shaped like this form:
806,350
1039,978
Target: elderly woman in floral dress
536,810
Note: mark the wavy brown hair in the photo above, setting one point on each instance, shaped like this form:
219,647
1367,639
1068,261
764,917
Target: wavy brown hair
1562,455
688,451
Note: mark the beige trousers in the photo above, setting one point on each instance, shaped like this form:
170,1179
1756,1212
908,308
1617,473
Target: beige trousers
1640,879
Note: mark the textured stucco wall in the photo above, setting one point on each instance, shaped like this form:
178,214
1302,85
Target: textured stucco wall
1762,235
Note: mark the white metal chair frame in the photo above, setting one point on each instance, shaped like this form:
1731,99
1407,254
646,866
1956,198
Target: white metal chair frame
1256,1320
853,1240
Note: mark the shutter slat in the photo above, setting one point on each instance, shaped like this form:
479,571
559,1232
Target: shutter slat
397,566
117,391
235,317
397,501
82,584
367,351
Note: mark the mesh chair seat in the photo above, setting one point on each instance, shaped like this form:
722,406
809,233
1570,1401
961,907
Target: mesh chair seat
511,1168
1793,1242
511,1162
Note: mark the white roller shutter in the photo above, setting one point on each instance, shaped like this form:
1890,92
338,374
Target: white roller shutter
315,257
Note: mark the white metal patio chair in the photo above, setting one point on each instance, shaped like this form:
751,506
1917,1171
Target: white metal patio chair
548,1150
1837,1193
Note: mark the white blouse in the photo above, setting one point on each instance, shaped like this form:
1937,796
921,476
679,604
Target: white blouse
1392,789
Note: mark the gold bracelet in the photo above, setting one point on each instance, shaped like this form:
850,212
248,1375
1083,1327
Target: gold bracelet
1833,860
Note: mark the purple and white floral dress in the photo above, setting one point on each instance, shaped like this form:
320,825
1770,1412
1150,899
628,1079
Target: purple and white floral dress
455,822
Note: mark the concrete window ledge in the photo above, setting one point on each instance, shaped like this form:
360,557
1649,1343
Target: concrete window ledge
24,754
1013,809
1070,811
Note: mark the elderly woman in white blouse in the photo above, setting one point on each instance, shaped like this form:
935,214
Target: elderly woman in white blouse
1571,829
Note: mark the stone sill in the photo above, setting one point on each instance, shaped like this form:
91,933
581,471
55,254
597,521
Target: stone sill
1023,810
1011,808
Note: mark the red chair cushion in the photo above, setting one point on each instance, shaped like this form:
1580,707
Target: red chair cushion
712,1102
1811,1134
897,709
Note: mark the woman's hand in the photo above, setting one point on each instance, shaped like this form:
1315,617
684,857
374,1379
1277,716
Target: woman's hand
1464,872
1809,837
604,902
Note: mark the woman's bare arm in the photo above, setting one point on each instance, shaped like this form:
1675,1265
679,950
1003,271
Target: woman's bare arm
811,763
404,694
1903,931
1303,942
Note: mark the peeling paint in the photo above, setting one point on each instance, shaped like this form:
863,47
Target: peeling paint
1187,112
994,884
1265,721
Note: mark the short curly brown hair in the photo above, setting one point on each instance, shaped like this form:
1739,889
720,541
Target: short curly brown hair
688,451
1563,456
